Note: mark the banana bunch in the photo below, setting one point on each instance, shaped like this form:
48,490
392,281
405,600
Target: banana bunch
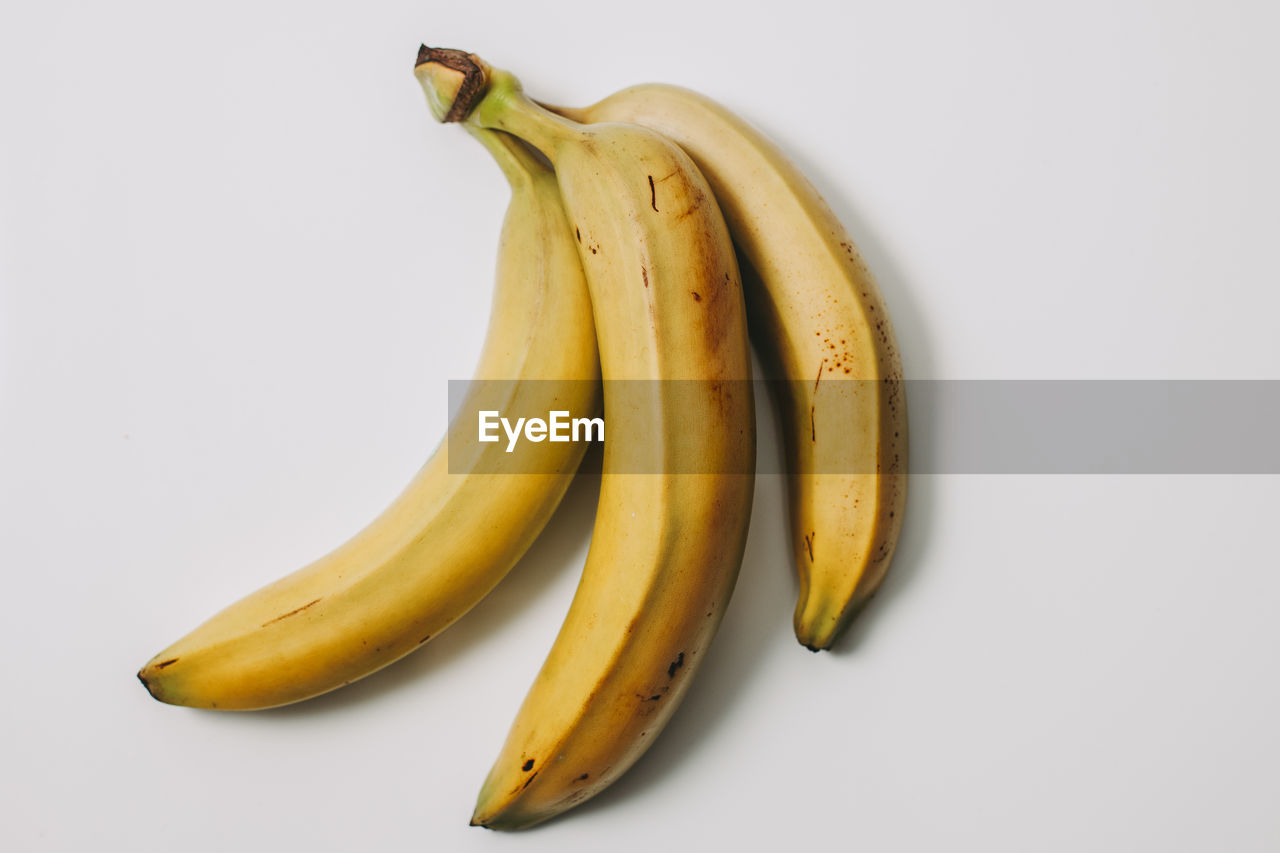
646,237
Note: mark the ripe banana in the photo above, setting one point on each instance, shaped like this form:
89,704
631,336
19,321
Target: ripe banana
462,522
818,319
667,546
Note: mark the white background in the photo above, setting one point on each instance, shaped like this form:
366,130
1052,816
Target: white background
239,262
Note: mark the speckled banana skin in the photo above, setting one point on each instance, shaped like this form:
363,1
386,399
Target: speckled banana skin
818,319
666,547
459,526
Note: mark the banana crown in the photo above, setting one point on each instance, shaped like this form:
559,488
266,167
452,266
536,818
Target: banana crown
453,80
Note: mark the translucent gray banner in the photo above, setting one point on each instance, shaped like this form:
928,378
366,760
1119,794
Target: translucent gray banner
955,426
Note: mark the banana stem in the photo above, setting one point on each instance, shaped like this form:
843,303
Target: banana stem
453,80
461,87
518,163
505,107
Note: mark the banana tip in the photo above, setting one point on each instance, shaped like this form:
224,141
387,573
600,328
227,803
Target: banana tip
154,681
142,676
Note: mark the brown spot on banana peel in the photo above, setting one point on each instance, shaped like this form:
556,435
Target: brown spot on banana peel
698,199
675,664
577,797
528,765
653,195
293,612
165,663
813,425
644,273
808,543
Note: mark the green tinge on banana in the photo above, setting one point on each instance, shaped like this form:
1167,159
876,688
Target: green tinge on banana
666,547
457,529
819,321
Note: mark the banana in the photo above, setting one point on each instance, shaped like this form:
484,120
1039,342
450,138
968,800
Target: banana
666,546
462,522
818,319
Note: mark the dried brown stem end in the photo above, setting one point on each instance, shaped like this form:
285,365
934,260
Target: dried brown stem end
474,78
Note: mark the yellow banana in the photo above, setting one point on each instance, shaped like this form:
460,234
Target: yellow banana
818,319
462,522
667,546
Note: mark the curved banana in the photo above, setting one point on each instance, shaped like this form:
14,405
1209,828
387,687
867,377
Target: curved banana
667,546
462,522
818,319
